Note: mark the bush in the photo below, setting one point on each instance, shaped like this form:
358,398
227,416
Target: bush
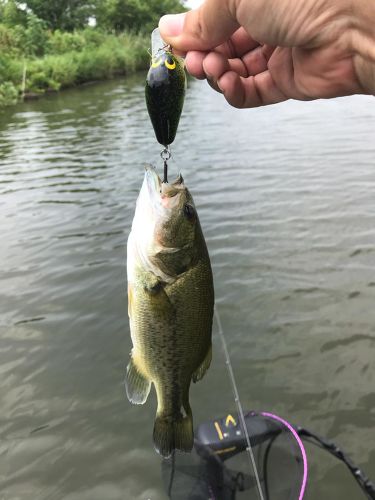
116,56
39,77
11,69
62,69
134,48
12,40
61,43
38,82
94,65
8,94
94,37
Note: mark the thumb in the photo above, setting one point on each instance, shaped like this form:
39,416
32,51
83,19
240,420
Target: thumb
199,29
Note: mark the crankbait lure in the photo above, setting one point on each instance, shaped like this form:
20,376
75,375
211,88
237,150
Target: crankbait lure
165,94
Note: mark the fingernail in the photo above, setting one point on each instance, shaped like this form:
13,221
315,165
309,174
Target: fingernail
172,24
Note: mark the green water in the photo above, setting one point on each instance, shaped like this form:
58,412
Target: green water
285,196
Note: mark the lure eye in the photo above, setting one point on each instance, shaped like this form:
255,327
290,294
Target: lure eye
156,62
189,212
170,63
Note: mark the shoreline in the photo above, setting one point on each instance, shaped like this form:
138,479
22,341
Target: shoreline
26,79
28,97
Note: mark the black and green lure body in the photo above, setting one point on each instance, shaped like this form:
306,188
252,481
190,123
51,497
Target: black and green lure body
165,93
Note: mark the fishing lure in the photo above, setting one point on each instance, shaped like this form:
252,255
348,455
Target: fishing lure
165,93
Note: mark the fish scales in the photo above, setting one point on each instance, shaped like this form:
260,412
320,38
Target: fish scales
170,308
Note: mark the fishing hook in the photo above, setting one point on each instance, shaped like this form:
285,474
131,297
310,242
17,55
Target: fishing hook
165,156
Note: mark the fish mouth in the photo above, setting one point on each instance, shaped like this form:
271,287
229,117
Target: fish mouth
160,192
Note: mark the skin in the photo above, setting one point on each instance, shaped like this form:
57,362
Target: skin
258,52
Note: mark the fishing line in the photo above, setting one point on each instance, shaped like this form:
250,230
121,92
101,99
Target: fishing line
173,465
238,403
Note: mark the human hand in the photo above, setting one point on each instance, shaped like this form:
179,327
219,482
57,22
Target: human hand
259,52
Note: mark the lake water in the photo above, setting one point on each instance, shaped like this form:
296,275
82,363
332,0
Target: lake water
286,198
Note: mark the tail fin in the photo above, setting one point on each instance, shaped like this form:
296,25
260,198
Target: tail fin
172,432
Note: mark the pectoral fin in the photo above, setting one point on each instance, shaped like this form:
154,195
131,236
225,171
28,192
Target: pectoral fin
204,366
137,386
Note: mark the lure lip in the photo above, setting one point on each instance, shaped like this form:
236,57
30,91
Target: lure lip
157,43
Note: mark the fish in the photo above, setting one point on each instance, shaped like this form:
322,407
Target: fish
170,306
165,93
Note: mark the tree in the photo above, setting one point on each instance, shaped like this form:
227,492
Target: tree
11,14
136,15
62,14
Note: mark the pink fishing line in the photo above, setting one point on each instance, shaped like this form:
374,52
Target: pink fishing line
300,444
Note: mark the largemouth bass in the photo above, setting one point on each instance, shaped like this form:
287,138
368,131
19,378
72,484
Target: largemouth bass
171,298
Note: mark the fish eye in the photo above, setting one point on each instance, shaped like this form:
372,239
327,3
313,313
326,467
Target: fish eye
189,212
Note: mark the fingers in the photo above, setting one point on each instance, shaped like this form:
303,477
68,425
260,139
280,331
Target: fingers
194,64
250,92
238,44
213,64
247,81
199,29
243,85
255,61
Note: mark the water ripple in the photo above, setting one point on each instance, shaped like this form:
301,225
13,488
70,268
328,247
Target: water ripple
285,198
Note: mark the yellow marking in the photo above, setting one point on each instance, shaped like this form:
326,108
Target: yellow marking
156,62
219,433
225,450
130,300
230,420
170,65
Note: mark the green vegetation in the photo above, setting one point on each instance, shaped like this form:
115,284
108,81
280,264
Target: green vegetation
138,15
48,45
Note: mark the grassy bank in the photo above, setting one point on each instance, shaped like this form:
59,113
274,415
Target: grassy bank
37,61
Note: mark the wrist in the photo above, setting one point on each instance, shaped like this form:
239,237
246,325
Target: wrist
363,43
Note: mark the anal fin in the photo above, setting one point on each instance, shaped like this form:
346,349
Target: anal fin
203,367
137,386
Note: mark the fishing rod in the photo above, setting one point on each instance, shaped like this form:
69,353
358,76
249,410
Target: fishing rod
238,402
